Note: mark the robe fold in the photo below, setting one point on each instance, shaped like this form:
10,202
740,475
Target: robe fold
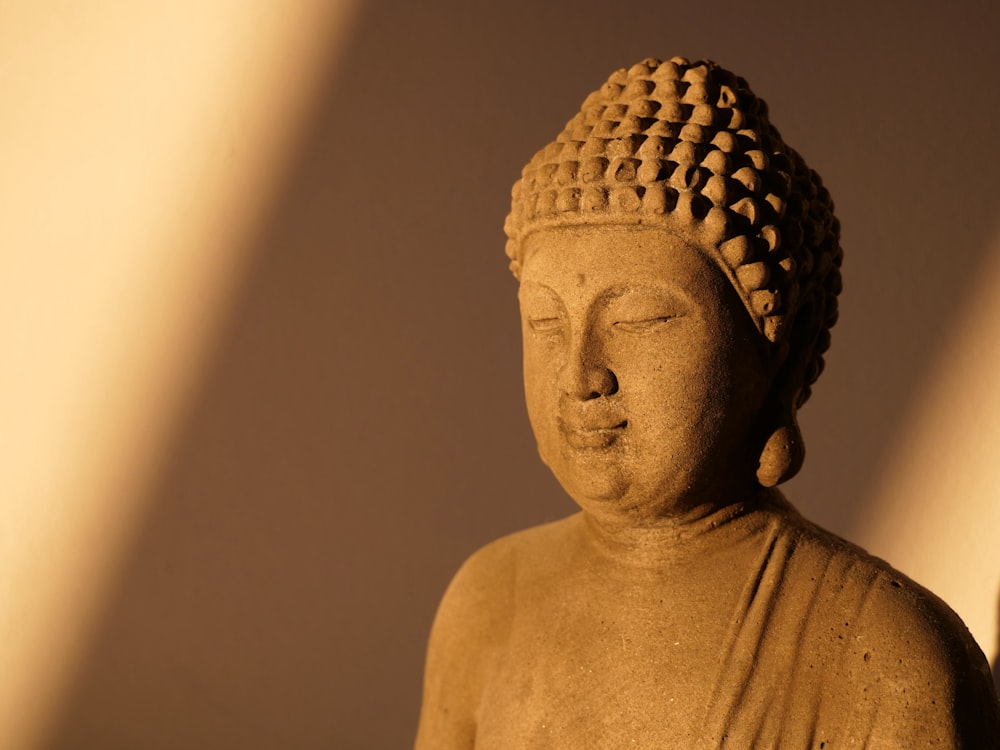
754,629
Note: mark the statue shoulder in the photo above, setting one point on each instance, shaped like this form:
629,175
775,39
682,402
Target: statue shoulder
910,658
488,579
894,614
470,631
923,660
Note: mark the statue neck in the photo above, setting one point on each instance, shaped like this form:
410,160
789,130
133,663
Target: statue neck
678,536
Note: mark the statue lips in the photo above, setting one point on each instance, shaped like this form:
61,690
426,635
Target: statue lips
592,435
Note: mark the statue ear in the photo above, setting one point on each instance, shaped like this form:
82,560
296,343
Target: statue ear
783,452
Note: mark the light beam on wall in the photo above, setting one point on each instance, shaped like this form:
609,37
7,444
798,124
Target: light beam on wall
936,514
141,144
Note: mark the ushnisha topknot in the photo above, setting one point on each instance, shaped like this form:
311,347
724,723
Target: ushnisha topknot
689,147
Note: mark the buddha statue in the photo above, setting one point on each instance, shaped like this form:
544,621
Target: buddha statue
679,267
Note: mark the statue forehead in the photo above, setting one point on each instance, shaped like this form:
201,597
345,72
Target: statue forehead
591,267
581,251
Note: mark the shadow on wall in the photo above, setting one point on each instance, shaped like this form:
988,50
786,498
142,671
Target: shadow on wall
357,429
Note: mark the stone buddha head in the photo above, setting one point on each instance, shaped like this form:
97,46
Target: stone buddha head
679,268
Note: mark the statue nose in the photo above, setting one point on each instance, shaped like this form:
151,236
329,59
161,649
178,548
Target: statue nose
602,383
585,380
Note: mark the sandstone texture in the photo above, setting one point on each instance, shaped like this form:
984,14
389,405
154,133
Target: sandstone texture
679,267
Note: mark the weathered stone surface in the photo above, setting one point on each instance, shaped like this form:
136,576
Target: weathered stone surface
679,267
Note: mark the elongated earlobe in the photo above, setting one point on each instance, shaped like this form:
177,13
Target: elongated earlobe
783,454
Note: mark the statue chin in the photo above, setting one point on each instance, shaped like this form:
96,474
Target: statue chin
599,496
593,481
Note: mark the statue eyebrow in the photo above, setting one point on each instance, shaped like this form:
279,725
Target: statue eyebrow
530,287
678,293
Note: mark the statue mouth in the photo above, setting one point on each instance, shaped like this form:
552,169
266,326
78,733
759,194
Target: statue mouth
587,435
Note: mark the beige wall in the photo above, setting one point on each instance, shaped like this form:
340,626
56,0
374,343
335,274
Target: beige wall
260,392
141,147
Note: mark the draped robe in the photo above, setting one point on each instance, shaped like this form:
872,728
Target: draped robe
751,628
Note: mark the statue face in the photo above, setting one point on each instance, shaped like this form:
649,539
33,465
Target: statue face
642,372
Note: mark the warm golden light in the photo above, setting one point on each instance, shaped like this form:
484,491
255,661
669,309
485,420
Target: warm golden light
937,512
140,145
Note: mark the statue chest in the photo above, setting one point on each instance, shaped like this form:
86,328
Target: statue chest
596,665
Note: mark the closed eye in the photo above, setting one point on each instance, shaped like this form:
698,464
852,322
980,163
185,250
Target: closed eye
545,324
645,325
